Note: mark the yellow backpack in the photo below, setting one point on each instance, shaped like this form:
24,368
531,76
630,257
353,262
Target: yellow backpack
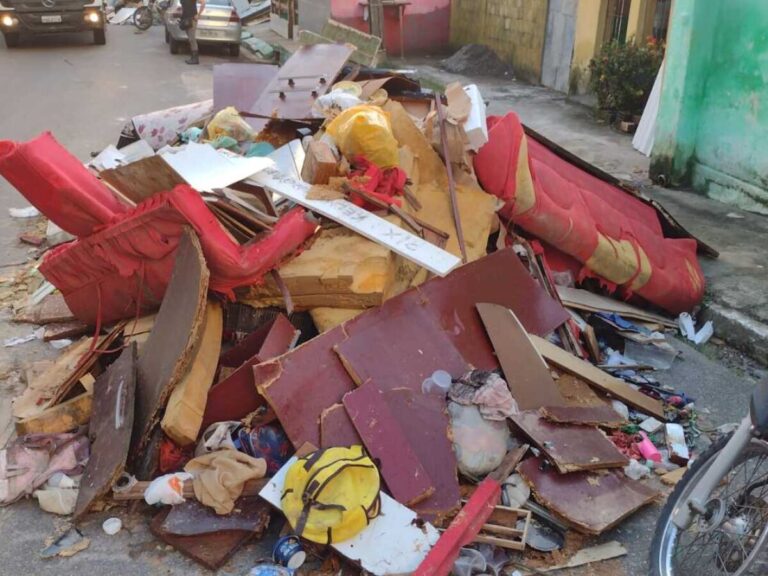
331,495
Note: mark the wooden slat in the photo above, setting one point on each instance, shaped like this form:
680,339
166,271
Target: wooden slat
597,378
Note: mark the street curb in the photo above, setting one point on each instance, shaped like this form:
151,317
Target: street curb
739,330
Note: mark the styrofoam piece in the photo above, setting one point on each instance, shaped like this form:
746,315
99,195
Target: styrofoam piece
393,543
476,126
367,224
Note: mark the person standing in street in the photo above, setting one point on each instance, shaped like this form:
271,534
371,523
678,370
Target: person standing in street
189,15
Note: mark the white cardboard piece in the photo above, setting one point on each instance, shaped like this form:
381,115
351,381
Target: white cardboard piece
391,544
476,127
402,242
205,169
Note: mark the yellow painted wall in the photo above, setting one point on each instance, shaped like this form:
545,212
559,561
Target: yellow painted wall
514,29
590,27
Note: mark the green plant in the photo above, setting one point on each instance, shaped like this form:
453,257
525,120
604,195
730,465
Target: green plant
623,74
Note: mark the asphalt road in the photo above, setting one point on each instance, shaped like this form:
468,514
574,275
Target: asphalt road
84,94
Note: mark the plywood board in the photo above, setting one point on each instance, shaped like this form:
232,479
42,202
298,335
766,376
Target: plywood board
110,429
604,416
395,542
524,369
184,412
570,448
308,73
416,346
591,302
240,85
598,379
592,503
311,372
142,179
386,442
166,357
365,223
336,429
424,421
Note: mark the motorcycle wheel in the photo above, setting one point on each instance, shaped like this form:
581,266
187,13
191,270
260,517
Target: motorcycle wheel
731,539
142,18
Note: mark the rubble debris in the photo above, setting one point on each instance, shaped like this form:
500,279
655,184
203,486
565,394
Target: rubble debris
599,379
476,59
58,495
52,309
175,335
110,429
526,372
393,543
590,502
672,478
598,553
487,390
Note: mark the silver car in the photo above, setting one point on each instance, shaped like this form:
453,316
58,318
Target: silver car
218,24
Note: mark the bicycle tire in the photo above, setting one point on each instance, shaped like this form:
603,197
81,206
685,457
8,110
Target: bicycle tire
143,18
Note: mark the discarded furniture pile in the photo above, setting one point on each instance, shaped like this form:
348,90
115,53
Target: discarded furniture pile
331,298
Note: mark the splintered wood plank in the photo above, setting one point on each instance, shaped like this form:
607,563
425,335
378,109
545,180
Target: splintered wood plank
591,302
167,355
184,412
300,385
386,442
592,503
604,416
524,369
570,448
141,179
599,379
110,429
336,429
60,418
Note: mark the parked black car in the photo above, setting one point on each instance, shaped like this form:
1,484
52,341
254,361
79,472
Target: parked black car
22,17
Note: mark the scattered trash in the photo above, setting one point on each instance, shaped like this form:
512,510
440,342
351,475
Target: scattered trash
28,212
304,344
477,59
112,526
68,544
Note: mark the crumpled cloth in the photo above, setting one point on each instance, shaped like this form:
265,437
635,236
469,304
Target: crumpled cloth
28,462
219,477
486,390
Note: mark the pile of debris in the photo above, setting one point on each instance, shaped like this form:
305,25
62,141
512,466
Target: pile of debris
333,297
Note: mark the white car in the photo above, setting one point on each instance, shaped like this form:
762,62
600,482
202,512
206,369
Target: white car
218,24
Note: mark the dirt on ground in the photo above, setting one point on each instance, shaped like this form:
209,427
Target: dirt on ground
477,60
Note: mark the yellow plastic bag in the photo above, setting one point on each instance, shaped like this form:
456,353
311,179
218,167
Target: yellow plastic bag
228,122
365,131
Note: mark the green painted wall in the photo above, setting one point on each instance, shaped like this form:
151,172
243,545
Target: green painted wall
713,121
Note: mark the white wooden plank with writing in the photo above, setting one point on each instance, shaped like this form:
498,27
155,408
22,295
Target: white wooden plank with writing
402,242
